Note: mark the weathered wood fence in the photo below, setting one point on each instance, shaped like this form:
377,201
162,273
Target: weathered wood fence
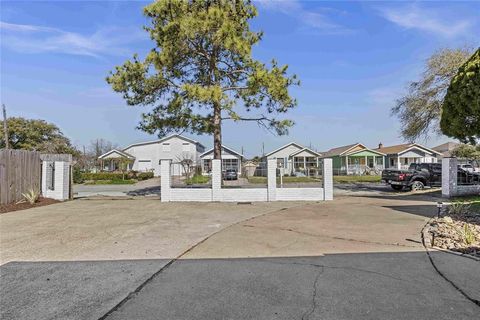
20,171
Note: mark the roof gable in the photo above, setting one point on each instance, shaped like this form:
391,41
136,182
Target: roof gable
401,148
116,151
230,150
310,151
341,150
285,146
163,140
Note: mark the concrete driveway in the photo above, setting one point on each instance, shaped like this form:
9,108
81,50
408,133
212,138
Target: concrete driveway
352,258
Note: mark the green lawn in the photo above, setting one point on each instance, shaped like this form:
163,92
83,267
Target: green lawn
198,179
111,182
353,179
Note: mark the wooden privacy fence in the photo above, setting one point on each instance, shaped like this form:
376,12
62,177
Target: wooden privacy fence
20,171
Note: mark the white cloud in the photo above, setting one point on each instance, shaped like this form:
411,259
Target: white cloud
428,20
38,39
317,20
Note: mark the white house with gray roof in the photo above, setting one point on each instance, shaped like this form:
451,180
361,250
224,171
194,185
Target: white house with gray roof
146,156
295,158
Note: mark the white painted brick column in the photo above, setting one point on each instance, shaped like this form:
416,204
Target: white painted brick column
272,179
62,180
449,177
165,178
327,179
216,180
44,178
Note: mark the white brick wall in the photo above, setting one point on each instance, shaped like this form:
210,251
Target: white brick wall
271,193
234,195
450,187
327,179
185,194
165,182
61,180
216,179
299,194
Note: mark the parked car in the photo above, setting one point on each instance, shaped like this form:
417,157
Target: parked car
467,167
230,174
420,175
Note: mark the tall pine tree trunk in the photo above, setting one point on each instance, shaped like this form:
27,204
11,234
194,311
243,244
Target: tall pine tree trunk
217,131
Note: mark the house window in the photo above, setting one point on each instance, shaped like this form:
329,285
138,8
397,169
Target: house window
405,161
228,164
186,146
166,147
281,163
392,162
207,165
51,176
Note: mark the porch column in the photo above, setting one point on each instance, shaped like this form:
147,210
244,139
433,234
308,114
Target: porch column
375,162
305,165
346,164
398,163
366,161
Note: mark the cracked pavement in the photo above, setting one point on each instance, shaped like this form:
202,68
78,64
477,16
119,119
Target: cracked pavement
352,258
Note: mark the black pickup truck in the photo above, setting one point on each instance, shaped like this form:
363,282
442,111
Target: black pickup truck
420,175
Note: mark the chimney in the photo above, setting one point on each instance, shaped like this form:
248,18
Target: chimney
380,145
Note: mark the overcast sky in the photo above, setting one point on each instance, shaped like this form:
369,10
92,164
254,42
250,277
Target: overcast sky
353,59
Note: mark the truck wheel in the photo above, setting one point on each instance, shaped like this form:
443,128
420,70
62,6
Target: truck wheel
396,187
417,185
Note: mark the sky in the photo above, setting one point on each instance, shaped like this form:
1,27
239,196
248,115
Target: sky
354,59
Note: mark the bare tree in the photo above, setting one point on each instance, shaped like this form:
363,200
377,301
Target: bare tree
187,161
419,110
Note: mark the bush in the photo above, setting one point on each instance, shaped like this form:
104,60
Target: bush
77,175
102,176
144,175
458,208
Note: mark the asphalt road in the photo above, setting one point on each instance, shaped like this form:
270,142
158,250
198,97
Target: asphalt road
344,286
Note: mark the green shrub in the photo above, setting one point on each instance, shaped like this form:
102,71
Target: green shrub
102,176
77,175
458,208
145,175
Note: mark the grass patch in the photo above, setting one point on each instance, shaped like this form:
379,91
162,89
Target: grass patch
260,180
354,179
111,182
197,179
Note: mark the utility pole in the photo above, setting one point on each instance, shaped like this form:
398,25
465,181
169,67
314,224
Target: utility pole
5,127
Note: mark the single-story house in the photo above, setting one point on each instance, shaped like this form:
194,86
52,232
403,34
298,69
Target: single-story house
231,159
146,156
446,149
402,155
295,158
355,159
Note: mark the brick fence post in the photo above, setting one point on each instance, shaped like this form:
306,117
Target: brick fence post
449,177
216,180
165,180
272,179
327,179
